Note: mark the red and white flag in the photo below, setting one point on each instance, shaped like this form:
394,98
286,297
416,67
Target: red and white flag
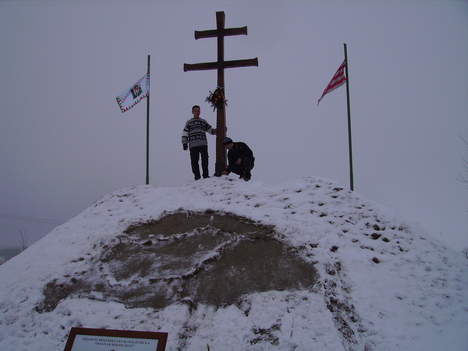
337,81
133,95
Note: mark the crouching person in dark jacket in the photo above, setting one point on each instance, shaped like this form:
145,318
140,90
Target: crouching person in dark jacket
240,157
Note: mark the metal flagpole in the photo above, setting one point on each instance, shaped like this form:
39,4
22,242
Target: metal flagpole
349,122
147,124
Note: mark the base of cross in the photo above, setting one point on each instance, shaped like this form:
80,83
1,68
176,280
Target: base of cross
219,169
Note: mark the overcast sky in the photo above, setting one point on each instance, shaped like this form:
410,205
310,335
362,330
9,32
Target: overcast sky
64,142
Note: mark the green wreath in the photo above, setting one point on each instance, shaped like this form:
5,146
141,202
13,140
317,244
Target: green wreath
216,98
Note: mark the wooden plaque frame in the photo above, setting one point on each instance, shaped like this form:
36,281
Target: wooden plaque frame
110,339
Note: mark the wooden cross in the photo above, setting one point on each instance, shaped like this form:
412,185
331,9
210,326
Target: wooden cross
220,32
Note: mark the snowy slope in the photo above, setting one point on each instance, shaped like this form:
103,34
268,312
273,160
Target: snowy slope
384,283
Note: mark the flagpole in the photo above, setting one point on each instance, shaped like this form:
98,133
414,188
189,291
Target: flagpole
147,126
351,176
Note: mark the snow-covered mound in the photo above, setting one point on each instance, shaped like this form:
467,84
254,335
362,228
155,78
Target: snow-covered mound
345,273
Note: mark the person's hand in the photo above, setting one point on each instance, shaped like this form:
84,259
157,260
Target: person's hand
185,147
239,161
224,173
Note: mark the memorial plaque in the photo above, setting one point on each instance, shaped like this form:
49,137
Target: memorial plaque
86,339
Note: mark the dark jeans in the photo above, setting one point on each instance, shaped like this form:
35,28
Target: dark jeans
244,168
195,153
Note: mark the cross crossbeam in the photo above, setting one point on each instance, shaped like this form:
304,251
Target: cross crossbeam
214,65
213,33
220,32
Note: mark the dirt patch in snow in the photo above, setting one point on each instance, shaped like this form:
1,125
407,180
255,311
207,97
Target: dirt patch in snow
211,258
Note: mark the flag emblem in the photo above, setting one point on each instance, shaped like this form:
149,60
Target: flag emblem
136,91
337,81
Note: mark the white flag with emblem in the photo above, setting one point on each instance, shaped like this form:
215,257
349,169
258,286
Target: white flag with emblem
133,95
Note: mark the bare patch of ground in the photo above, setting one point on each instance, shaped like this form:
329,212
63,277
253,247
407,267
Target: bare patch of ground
211,258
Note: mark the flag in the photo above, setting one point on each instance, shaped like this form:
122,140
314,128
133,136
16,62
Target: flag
133,95
337,81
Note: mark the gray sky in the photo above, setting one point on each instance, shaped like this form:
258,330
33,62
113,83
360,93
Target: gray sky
64,142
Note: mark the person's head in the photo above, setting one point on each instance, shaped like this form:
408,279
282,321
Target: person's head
196,111
228,143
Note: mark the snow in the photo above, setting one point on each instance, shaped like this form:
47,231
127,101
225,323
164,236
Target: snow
392,285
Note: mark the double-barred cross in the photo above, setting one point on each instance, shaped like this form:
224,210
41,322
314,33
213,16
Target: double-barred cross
220,32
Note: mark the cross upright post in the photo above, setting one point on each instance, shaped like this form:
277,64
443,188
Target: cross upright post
220,32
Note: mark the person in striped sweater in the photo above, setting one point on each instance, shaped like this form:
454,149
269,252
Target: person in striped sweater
194,138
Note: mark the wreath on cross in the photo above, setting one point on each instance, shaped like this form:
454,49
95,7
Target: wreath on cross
216,98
